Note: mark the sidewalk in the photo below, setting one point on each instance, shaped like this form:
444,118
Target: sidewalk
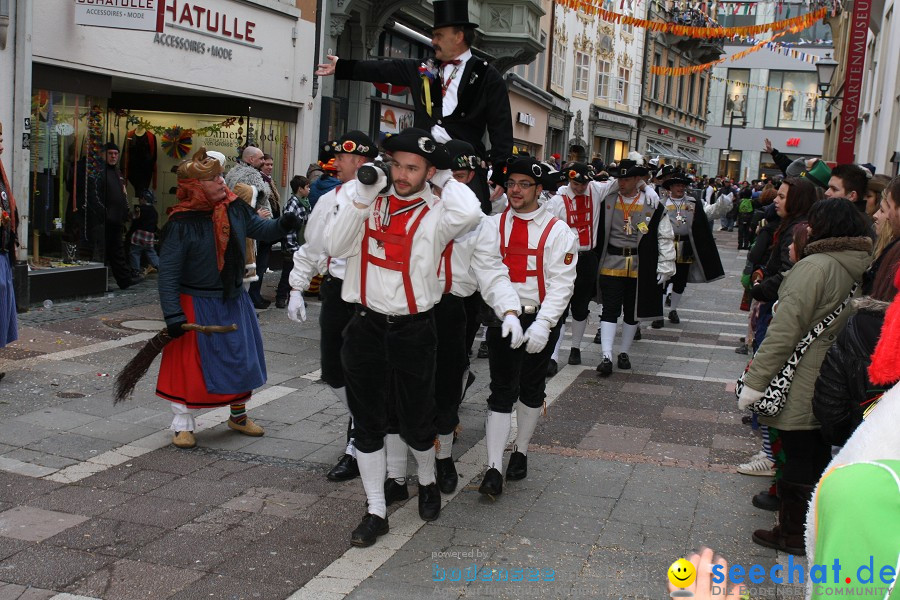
626,474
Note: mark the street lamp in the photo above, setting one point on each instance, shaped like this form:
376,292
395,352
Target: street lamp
825,69
743,125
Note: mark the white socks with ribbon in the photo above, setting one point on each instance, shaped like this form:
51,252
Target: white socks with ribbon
372,466
497,431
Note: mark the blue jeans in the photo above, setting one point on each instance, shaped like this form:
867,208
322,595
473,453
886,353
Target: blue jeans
137,250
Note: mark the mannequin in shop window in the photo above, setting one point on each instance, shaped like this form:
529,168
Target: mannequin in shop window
140,160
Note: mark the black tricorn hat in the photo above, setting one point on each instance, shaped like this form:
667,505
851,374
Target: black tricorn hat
353,142
578,172
452,13
676,179
629,168
419,141
462,155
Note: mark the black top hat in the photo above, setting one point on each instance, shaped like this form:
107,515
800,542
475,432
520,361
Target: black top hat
578,172
675,179
353,142
462,155
419,141
629,168
452,13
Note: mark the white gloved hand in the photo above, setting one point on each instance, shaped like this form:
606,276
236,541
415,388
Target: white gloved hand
536,337
366,194
442,177
296,308
661,279
749,397
641,184
512,328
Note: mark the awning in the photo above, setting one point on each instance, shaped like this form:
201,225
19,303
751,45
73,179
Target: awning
692,156
660,150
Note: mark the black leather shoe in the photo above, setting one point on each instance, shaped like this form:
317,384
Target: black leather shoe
483,350
517,468
261,304
657,324
637,334
429,502
766,501
605,367
673,317
368,531
552,368
575,356
394,492
281,302
624,362
345,469
597,338
492,484
447,477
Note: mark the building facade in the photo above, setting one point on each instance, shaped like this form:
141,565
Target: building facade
766,95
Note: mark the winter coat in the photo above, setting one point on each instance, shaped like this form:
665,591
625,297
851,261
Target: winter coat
320,187
779,262
812,289
843,385
244,173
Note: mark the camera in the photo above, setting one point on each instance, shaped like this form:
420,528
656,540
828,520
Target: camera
368,174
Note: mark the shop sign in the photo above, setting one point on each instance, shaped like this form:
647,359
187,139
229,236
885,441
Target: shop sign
613,118
144,15
856,60
395,120
793,142
527,119
220,24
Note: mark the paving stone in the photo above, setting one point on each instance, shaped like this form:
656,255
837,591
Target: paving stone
19,488
274,502
56,418
39,458
79,447
187,489
115,431
158,512
131,580
677,452
11,591
607,438
231,588
129,479
9,546
50,567
281,448
646,389
35,524
264,476
86,500
188,548
106,536
175,461
572,527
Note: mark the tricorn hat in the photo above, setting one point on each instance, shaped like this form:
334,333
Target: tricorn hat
452,13
629,168
353,142
578,172
419,141
676,179
462,155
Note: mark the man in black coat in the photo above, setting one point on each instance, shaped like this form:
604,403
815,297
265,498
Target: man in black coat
117,212
456,95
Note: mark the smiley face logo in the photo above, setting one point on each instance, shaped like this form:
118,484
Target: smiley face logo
682,573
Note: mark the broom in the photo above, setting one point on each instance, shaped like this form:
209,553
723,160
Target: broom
137,367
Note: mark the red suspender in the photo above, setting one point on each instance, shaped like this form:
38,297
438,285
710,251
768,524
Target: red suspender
405,242
448,267
582,219
538,252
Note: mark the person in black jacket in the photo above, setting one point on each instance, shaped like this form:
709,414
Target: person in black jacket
117,213
457,96
843,390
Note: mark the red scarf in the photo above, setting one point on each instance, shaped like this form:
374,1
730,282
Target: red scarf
191,198
885,366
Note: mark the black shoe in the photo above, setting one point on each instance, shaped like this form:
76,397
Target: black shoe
368,531
447,477
766,501
492,484
743,340
394,492
429,502
261,304
668,299
281,302
637,334
597,338
552,369
345,469
483,350
605,367
517,467
657,324
624,362
742,349
673,317
575,356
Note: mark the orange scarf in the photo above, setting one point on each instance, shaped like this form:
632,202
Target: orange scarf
191,198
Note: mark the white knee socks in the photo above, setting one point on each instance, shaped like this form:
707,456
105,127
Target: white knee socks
446,443
184,418
607,337
497,434
372,466
562,333
628,332
526,420
425,463
578,328
395,449
676,299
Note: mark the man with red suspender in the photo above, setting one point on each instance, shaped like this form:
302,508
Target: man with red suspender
393,240
540,252
353,150
469,263
578,205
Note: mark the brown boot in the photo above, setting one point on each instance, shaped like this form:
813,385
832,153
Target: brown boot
787,536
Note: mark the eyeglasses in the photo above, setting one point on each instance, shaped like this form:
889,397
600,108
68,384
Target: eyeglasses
523,185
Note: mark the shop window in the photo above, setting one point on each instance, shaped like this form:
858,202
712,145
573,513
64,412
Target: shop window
582,73
730,163
736,89
793,102
557,72
603,70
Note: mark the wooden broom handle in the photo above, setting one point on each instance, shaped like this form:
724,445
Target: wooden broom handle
209,329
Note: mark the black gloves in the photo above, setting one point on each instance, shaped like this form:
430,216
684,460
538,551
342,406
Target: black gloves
175,330
289,222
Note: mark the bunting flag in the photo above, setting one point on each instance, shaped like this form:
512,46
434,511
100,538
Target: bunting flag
784,49
591,7
768,88
680,71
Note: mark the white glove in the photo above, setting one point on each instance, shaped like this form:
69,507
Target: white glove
641,184
366,194
749,397
512,328
296,308
661,279
536,337
441,178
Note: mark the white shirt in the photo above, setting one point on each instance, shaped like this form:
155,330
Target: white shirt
597,191
475,264
560,257
449,101
456,212
311,259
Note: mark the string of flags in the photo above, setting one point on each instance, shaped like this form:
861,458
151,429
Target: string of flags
780,48
681,71
768,88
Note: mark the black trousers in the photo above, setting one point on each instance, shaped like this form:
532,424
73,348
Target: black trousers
479,185
586,270
284,284
679,280
806,454
618,293
516,374
452,361
389,366
115,254
333,319
263,250
744,230
473,318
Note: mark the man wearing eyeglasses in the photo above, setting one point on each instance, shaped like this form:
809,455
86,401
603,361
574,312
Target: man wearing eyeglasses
540,252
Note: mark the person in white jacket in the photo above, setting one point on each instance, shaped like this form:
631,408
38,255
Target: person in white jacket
541,253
